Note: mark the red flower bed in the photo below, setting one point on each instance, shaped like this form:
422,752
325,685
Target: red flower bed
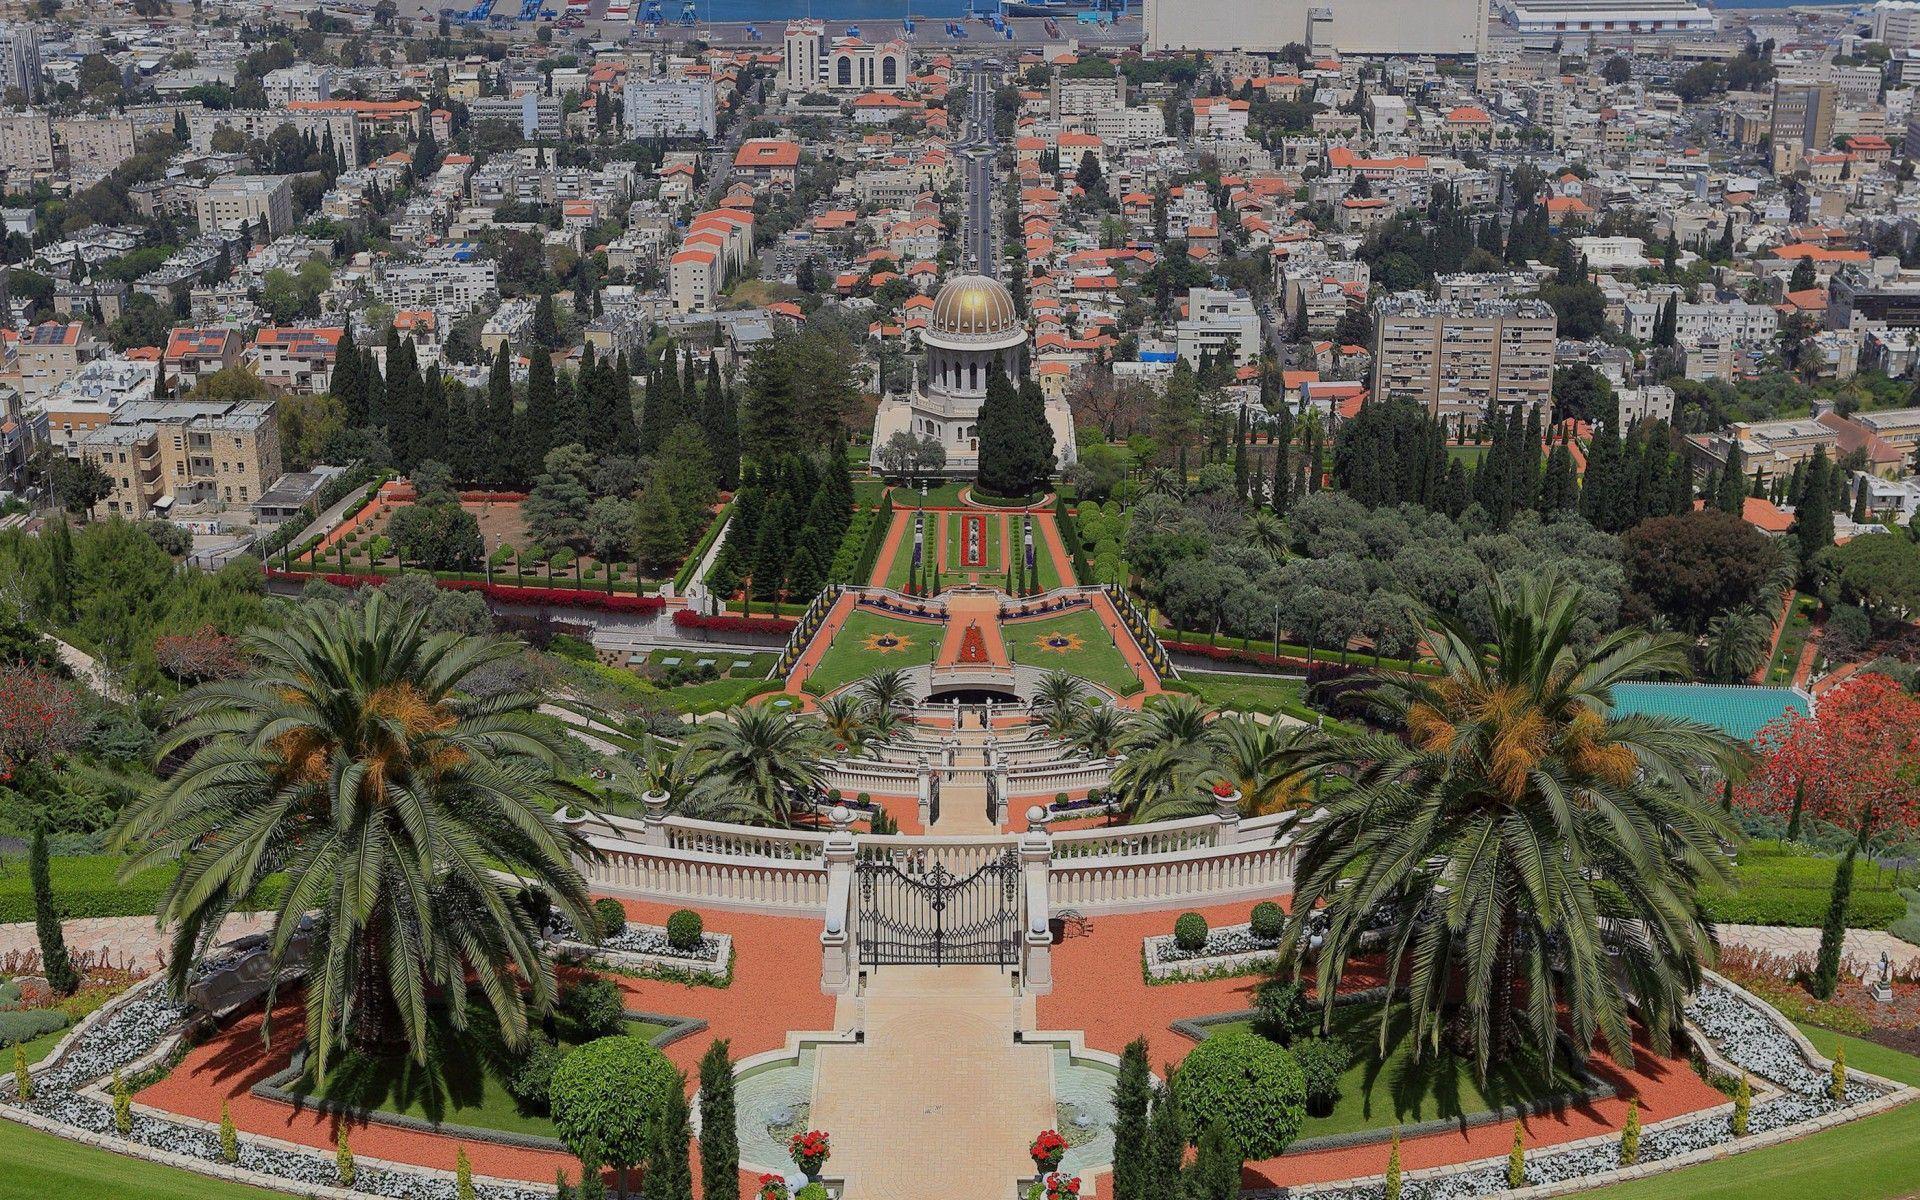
505,593
1230,654
688,619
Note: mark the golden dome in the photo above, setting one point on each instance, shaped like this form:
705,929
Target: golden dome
973,306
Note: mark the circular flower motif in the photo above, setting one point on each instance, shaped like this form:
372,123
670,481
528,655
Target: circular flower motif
887,643
1059,643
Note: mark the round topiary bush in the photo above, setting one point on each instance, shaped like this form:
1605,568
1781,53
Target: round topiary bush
531,1083
1190,932
606,1097
1267,920
1248,1084
1279,1009
685,929
1322,1062
612,917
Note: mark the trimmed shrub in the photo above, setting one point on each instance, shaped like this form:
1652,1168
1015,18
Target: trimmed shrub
1190,935
596,1006
532,1080
229,1137
1630,1136
1322,1063
1742,1106
605,1096
1268,920
612,917
1280,1009
685,929
1251,1086
1517,1158
18,1026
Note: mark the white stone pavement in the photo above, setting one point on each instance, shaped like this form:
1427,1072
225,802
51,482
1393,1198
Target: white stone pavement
1864,946
130,942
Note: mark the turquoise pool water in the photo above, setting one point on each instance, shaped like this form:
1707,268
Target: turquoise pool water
1740,711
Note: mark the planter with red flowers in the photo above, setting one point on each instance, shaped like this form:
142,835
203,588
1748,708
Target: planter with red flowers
810,1151
773,1187
1059,1186
1047,1150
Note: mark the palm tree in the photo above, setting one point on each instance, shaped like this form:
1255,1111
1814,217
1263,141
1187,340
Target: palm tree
1262,761
352,760
1265,532
1521,830
888,689
1167,763
1098,731
1057,700
757,764
848,720
1737,643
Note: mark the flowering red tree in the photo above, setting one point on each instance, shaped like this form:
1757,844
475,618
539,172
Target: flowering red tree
1855,763
199,656
40,719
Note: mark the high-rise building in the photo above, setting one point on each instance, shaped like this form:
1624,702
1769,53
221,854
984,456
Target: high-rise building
1326,26
1465,359
1802,122
20,58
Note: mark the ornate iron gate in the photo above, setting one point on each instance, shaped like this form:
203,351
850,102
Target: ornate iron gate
926,915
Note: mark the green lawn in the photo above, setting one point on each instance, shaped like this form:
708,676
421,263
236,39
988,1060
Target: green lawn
947,495
40,1166
37,1049
848,658
1397,1090
87,885
1097,659
902,568
1777,884
1470,455
1243,694
463,1082
1861,1160
718,695
1052,574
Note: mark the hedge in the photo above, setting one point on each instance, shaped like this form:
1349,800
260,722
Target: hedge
505,593
86,886
686,618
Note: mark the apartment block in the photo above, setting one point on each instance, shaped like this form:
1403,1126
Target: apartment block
161,455
670,108
230,201
1473,358
296,359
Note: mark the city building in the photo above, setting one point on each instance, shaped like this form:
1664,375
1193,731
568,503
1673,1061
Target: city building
296,359
230,201
162,455
536,116
1555,18
20,59
670,108
300,82
442,284
51,353
810,62
1220,324
973,329
1323,26
1802,122
88,399
1471,359
192,355
1880,292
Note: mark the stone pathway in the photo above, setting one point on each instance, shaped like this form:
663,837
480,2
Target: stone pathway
130,942
1863,946
939,1101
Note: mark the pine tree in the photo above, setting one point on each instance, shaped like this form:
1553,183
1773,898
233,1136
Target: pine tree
659,537
722,427
719,1143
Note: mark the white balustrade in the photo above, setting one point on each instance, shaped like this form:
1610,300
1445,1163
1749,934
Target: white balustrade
1097,885
713,879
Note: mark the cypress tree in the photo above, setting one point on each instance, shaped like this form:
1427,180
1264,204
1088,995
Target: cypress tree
1215,1174
669,1174
771,550
534,436
1558,491
349,382
1002,457
60,556
1240,457
1166,1143
1860,511
1732,483
1833,932
1813,518
495,433
769,427
719,1141
55,963
1132,1094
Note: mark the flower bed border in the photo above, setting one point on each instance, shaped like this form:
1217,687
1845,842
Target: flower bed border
1210,966
274,1089
717,967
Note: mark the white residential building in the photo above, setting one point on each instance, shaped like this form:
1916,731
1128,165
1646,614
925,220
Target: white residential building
670,108
1218,323
446,283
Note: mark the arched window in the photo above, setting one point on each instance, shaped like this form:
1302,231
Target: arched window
845,71
973,377
889,70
